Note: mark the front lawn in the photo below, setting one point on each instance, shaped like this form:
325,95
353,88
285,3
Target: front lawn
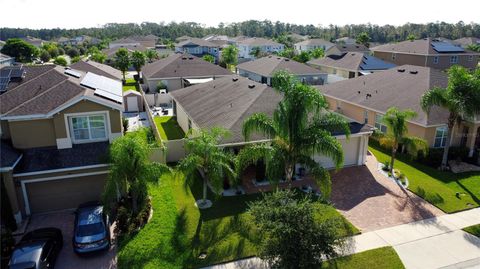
437,187
178,232
379,258
475,230
168,128
130,84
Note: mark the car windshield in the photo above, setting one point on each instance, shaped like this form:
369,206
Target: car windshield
27,253
90,229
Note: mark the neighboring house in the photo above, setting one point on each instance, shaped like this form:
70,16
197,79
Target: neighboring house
183,38
340,49
427,52
6,60
216,37
346,40
56,130
467,41
296,37
198,47
311,44
148,41
37,42
123,42
246,46
110,52
98,68
178,71
367,98
79,40
228,101
350,64
262,70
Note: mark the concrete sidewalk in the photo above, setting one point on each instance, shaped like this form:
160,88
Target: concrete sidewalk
432,243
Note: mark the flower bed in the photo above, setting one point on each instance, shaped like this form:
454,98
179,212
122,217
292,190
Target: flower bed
397,177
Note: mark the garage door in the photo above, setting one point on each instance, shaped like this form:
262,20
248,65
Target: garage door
66,193
350,150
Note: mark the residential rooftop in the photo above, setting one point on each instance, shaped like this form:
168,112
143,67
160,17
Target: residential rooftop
97,68
267,66
426,46
257,41
350,48
9,156
315,42
196,41
110,52
352,61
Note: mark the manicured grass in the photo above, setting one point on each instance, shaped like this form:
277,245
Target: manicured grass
475,230
379,258
178,232
168,128
437,187
130,84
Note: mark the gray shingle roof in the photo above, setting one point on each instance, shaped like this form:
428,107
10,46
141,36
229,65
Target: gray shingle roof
97,68
351,48
8,155
393,88
315,42
352,61
111,52
420,46
267,66
197,41
258,41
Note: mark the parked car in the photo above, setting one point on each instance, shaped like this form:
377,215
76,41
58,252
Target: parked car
92,228
37,249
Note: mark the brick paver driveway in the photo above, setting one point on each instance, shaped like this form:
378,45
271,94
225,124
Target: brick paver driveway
370,201
67,258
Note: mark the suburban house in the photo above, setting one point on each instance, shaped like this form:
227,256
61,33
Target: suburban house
226,102
148,41
110,52
123,42
427,52
346,40
79,40
350,64
367,98
182,38
97,68
311,44
467,41
178,71
198,47
262,70
37,42
297,37
340,49
56,127
6,60
246,46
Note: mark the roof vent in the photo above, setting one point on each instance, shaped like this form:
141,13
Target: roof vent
234,79
286,60
401,70
190,58
414,72
184,58
278,58
358,92
251,86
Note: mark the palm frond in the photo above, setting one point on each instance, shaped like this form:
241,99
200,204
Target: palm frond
332,122
434,97
323,143
415,144
258,122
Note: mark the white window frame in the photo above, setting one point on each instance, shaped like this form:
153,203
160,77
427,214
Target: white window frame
69,126
443,137
454,59
435,59
379,124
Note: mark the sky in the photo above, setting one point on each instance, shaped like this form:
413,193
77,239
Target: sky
38,14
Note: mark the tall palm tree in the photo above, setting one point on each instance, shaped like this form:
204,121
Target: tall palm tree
461,98
206,156
397,130
300,128
230,56
138,61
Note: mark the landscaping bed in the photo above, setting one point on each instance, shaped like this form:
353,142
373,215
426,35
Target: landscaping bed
379,258
168,128
130,84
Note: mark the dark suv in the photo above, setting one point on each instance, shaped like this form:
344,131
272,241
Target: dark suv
92,228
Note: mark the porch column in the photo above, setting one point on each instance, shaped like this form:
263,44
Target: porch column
12,195
471,139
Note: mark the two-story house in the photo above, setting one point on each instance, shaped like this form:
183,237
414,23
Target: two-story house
311,44
56,127
267,46
427,52
198,47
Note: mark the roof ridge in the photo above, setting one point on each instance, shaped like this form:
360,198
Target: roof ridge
33,79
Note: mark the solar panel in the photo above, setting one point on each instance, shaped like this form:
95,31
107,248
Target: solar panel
374,63
17,72
72,73
104,87
109,95
446,47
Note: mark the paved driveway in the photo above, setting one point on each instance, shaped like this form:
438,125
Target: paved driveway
371,202
67,258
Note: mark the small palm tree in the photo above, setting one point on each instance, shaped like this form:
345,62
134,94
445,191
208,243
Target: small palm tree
255,52
461,98
138,61
396,122
206,157
122,60
301,127
230,56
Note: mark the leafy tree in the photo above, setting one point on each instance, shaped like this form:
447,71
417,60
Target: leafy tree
73,52
61,51
138,61
81,50
397,130
317,53
209,58
99,57
301,127
364,39
285,40
152,55
292,236
411,37
20,50
461,98
230,56
302,57
256,52
131,170
206,156
75,59
122,61
474,47
45,56
60,61
287,53
52,49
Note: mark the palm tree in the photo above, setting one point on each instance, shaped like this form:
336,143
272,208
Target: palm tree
255,52
461,98
300,128
396,122
122,60
138,61
151,55
230,56
206,156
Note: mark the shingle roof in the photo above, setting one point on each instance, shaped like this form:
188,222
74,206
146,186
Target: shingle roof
420,46
182,65
258,41
110,52
97,68
315,42
351,48
124,41
352,61
196,41
393,88
267,66
465,41
8,155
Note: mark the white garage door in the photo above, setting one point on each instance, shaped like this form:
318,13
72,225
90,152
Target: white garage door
350,149
132,103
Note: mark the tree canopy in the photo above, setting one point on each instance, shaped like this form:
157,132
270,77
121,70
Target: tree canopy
22,51
122,60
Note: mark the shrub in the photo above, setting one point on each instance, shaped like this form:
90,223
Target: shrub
75,59
60,61
45,56
73,52
61,51
386,166
434,156
122,219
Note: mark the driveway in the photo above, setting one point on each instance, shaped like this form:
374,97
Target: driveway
371,201
67,259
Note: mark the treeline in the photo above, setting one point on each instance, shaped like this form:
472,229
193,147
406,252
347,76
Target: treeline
383,34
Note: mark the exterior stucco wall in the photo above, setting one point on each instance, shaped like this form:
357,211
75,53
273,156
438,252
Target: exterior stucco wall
4,130
32,133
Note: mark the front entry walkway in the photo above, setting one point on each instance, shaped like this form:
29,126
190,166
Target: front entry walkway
371,202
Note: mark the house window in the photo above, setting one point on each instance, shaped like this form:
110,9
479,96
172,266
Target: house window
435,60
470,58
365,116
394,56
379,123
454,59
88,128
440,137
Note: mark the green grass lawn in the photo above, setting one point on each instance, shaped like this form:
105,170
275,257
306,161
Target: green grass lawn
130,84
179,232
437,187
475,230
168,128
379,258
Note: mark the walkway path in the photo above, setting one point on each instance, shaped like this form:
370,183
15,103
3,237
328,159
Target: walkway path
437,242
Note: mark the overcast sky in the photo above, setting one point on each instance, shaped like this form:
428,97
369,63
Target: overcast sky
89,13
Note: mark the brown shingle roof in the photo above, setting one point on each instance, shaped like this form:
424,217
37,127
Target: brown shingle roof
182,65
420,46
315,42
351,48
267,66
197,41
258,41
111,52
465,41
352,61
97,68
393,88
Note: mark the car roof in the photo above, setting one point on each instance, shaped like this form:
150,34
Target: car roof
90,215
27,252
